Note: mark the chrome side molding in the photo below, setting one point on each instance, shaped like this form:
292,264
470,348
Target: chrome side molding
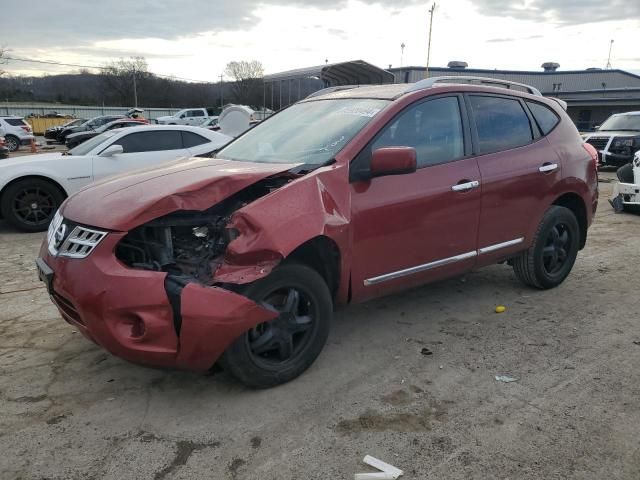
440,263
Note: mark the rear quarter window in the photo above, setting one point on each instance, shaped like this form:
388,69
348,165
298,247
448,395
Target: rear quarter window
546,118
15,122
191,139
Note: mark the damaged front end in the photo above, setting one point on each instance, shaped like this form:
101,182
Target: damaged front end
189,246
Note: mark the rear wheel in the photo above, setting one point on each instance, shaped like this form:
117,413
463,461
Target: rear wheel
278,351
30,204
13,143
555,247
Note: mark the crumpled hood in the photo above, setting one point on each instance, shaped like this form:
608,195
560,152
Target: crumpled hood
132,199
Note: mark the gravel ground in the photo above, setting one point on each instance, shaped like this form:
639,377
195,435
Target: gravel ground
68,410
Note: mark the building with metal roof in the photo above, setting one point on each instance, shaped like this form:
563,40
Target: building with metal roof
592,95
288,87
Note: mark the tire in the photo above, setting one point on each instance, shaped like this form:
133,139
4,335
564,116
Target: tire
625,173
555,247
12,143
30,204
262,357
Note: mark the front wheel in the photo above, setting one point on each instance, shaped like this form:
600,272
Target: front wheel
555,247
278,351
30,204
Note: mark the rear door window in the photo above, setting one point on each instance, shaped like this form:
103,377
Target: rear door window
151,141
501,123
191,139
196,113
546,118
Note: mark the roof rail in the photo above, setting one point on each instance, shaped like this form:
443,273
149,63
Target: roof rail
337,88
430,82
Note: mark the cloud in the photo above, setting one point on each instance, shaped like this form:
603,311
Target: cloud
514,39
76,22
567,12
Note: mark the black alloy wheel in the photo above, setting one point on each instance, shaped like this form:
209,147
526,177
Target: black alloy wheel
283,339
279,350
553,252
30,204
556,250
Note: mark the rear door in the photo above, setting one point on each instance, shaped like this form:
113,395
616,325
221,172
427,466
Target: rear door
141,149
413,228
518,169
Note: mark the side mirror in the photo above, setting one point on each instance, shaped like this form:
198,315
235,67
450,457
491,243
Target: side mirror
393,161
112,150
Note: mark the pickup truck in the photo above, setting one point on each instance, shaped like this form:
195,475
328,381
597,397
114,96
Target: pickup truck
188,116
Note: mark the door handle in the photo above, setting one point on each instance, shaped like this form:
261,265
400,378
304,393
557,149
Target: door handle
548,167
465,186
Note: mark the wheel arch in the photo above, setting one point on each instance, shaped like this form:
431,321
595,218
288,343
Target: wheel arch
323,255
575,203
5,187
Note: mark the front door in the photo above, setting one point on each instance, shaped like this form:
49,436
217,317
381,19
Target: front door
413,228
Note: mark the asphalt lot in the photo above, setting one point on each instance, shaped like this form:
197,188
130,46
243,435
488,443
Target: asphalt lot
68,410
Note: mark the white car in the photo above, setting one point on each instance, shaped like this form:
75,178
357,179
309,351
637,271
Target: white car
16,132
32,188
626,193
188,116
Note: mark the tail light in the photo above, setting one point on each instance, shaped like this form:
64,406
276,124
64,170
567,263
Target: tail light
26,128
593,153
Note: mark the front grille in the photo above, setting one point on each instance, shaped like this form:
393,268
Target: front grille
81,242
599,143
66,308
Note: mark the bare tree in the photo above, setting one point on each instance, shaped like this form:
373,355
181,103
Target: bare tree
122,78
2,60
248,77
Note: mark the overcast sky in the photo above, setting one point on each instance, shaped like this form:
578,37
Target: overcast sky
196,38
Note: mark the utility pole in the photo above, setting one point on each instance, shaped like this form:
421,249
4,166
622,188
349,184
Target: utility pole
402,45
608,67
431,12
135,89
221,94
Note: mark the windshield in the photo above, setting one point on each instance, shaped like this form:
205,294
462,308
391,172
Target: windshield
86,147
621,122
310,132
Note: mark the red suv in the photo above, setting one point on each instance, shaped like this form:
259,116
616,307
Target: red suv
348,195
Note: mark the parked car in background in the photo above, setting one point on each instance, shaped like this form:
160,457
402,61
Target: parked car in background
33,188
343,197
4,151
51,133
91,124
626,192
188,116
17,132
617,139
75,139
211,123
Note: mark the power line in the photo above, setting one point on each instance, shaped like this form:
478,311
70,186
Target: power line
51,62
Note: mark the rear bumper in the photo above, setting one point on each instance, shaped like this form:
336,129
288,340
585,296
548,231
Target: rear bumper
628,192
128,312
614,159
